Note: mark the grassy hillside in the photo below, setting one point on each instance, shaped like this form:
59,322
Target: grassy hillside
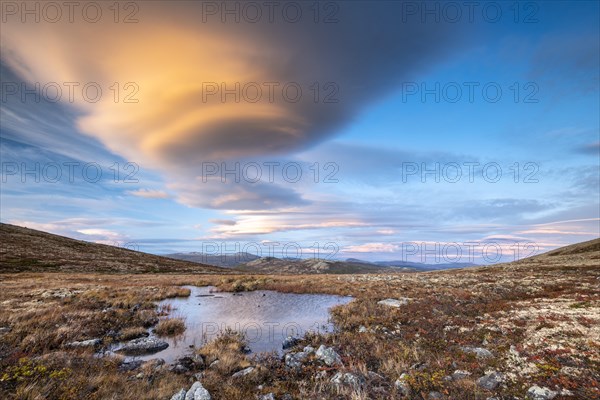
24,249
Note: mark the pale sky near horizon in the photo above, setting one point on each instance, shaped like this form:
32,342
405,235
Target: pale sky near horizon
381,130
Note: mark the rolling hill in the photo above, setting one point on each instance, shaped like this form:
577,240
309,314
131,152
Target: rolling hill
24,249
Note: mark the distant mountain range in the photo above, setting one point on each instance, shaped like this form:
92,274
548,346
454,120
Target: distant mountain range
30,250
248,262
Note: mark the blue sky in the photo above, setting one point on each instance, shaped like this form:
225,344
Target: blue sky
370,200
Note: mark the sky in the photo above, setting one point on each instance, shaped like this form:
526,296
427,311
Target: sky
421,131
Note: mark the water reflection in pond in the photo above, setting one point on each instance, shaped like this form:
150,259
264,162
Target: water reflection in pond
265,317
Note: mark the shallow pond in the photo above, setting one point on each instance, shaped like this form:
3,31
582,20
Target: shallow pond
265,317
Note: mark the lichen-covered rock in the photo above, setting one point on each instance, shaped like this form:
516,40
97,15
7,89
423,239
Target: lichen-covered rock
490,381
394,302
294,360
197,392
480,352
402,386
84,343
143,346
328,355
540,393
346,378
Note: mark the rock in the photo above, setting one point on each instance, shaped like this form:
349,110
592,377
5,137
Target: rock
394,302
130,365
420,366
402,386
214,364
85,343
179,395
190,363
140,376
197,392
289,342
309,349
178,369
243,372
60,293
328,355
480,352
294,360
269,396
155,364
362,329
541,393
490,381
459,374
346,378
5,329
435,395
143,346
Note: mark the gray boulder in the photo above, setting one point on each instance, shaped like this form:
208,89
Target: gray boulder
197,392
346,378
143,346
328,355
289,342
541,393
490,381
294,360
480,352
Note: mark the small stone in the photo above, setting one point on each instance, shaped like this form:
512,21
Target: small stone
328,355
289,342
362,329
214,364
460,374
197,392
309,349
140,376
85,343
294,360
541,393
433,395
346,378
480,352
130,365
178,369
179,395
402,386
269,396
243,372
490,381
394,302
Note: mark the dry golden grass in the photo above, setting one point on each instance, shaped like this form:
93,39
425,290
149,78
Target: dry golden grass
547,311
170,327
